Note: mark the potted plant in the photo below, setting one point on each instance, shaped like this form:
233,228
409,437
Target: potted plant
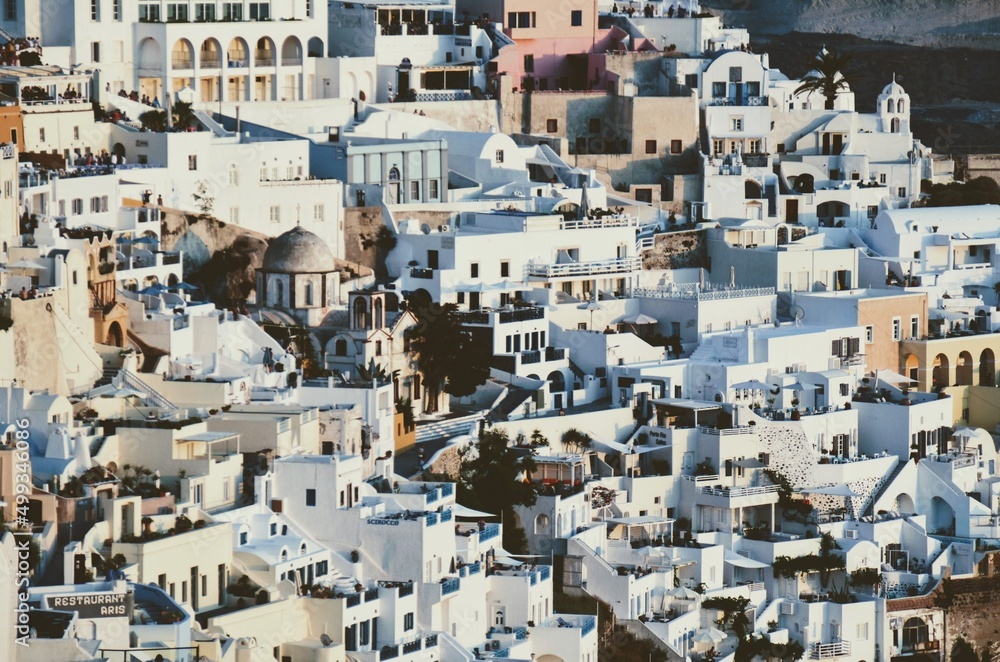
359,587
796,414
355,556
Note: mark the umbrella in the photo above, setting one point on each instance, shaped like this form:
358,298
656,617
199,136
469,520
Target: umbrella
753,384
507,560
26,264
155,288
684,593
182,286
832,490
640,319
462,511
584,199
890,377
122,239
146,240
709,636
799,386
591,306
965,434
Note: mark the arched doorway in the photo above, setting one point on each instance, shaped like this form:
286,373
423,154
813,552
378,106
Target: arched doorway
987,368
963,371
915,634
182,55
942,372
315,47
557,383
942,516
291,52
542,524
394,186
115,337
904,503
912,367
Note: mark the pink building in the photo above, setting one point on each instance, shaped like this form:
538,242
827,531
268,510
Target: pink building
551,42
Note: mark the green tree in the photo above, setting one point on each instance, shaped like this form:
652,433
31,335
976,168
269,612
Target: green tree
996,291
963,651
183,115
446,354
154,120
978,191
826,76
490,479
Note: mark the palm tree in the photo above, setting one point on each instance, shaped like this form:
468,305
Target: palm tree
826,76
996,291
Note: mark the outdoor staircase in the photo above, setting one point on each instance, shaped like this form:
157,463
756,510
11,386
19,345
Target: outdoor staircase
149,394
6,35
449,428
575,369
885,486
515,398
107,375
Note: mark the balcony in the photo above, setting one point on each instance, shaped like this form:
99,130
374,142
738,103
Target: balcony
451,585
826,651
210,62
920,647
181,62
423,274
489,532
291,61
489,316
625,265
735,101
957,459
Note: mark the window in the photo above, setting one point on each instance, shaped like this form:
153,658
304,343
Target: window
651,147
869,334
414,191
10,10
901,192
498,157
753,146
576,18
95,10
736,123
116,9
41,135
521,19
310,497
432,189
204,585
781,148
676,147
95,51
408,621
192,161
717,147
735,74
243,537
552,126
319,213
896,328
862,631
644,195
274,528
474,270
504,269
378,348
234,215
275,214
915,326
13,136
529,64
77,206
718,90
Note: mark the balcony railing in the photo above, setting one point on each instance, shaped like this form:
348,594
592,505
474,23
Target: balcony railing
291,61
744,101
555,353
180,63
957,460
491,531
371,594
733,492
388,653
920,647
263,59
353,600
210,62
826,651
449,586
595,268
531,356
756,161
706,295
425,274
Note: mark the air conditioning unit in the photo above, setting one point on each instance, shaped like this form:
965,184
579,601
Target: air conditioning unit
444,228
787,608
851,534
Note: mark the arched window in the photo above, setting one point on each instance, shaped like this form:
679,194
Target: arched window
394,174
890,106
360,313
302,549
340,347
378,314
914,632
284,554
542,523
894,125
378,348
900,107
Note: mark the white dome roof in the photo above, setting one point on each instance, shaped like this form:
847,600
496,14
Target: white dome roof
298,251
893,89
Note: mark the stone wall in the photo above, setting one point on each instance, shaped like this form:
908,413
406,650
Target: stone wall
677,250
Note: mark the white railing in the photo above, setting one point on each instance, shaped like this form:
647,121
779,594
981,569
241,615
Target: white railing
733,492
644,244
835,649
727,432
612,221
702,295
618,266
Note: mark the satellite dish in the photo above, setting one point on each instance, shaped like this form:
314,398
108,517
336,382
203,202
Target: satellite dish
325,640
796,312
426,229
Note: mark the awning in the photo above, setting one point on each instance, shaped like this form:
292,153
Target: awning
740,561
638,521
461,511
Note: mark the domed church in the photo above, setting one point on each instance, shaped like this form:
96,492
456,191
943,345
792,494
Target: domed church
298,276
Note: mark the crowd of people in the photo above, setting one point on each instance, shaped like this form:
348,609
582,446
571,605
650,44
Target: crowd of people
11,52
152,102
648,11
